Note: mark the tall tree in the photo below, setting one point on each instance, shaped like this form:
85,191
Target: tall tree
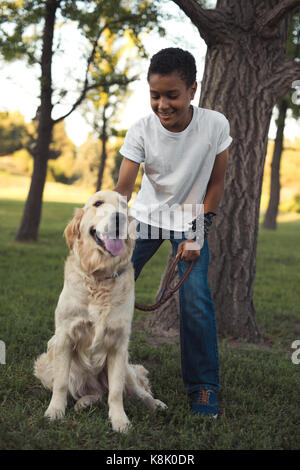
284,104
106,102
246,71
21,35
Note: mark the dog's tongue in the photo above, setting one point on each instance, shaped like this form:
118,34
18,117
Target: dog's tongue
114,245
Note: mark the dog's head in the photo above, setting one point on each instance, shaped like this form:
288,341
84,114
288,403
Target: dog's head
101,233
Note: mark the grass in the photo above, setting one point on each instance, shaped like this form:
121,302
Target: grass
16,187
259,400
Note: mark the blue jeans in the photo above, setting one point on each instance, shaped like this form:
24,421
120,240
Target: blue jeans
198,333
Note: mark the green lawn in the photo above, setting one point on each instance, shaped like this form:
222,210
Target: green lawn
259,400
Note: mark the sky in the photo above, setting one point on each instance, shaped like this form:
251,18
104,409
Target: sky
20,87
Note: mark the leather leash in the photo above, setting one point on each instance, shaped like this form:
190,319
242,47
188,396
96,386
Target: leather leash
166,290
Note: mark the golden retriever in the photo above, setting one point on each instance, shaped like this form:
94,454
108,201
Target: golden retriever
88,354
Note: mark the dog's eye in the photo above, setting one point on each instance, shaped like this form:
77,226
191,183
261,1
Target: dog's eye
98,203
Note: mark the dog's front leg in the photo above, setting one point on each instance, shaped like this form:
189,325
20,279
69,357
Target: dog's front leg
61,367
116,367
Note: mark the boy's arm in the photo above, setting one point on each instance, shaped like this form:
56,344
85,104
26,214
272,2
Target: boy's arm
127,176
215,186
212,200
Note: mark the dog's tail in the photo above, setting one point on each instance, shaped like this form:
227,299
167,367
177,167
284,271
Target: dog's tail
43,366
43,370
136,381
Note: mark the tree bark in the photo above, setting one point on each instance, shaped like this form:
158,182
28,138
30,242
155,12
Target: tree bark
28,229
246,71
272,210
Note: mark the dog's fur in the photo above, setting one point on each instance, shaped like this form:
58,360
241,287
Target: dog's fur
88,354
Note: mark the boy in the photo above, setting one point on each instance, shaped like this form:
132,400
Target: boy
184,151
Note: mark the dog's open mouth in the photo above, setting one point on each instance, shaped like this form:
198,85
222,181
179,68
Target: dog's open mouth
114,246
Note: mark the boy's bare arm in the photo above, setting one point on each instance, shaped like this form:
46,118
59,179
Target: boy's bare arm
215,186
127,176
212,200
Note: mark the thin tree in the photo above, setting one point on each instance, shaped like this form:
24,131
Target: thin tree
106,102
246,71
284,104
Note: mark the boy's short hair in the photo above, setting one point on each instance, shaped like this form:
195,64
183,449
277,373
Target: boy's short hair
174,59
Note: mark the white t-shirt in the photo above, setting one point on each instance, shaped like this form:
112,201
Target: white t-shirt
177,166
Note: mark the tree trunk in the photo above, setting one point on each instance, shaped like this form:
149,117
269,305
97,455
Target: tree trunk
244,92
103,157
272,210
246,71
28,229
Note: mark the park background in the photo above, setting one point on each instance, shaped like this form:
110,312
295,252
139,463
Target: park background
259,381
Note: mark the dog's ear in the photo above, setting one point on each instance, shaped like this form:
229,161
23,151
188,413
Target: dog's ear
72,229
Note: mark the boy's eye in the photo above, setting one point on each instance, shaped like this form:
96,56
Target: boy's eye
171,97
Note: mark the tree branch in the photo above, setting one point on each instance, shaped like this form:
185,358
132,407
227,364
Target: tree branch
281,82
87,88
212,24
267,24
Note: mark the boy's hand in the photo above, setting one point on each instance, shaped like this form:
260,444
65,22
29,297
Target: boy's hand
189,250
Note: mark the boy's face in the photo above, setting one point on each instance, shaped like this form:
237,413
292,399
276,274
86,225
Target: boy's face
170,100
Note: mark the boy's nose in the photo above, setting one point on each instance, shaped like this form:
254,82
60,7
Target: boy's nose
163,104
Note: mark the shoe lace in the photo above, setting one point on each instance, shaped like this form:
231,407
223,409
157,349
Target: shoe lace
203,397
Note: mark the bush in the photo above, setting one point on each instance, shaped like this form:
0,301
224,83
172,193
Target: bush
293,205
23,161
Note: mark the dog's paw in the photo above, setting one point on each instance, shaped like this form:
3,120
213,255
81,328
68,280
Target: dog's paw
121,425
160,404
85,401
53,413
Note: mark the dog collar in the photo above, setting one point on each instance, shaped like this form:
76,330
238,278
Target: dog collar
113,276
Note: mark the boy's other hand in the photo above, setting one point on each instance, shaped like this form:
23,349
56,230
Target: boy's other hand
189,250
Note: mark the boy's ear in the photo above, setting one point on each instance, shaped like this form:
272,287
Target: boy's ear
194,89
72,230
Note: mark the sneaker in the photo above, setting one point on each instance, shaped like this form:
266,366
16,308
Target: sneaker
204,402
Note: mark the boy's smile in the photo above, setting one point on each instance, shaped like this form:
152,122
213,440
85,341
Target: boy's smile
170,100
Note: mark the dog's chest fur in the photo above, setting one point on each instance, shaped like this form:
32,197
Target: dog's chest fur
99,323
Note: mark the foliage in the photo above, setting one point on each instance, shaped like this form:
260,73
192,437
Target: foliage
293,205
13,132
62,155
87,160
22,161
105,103
17,138
289,174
